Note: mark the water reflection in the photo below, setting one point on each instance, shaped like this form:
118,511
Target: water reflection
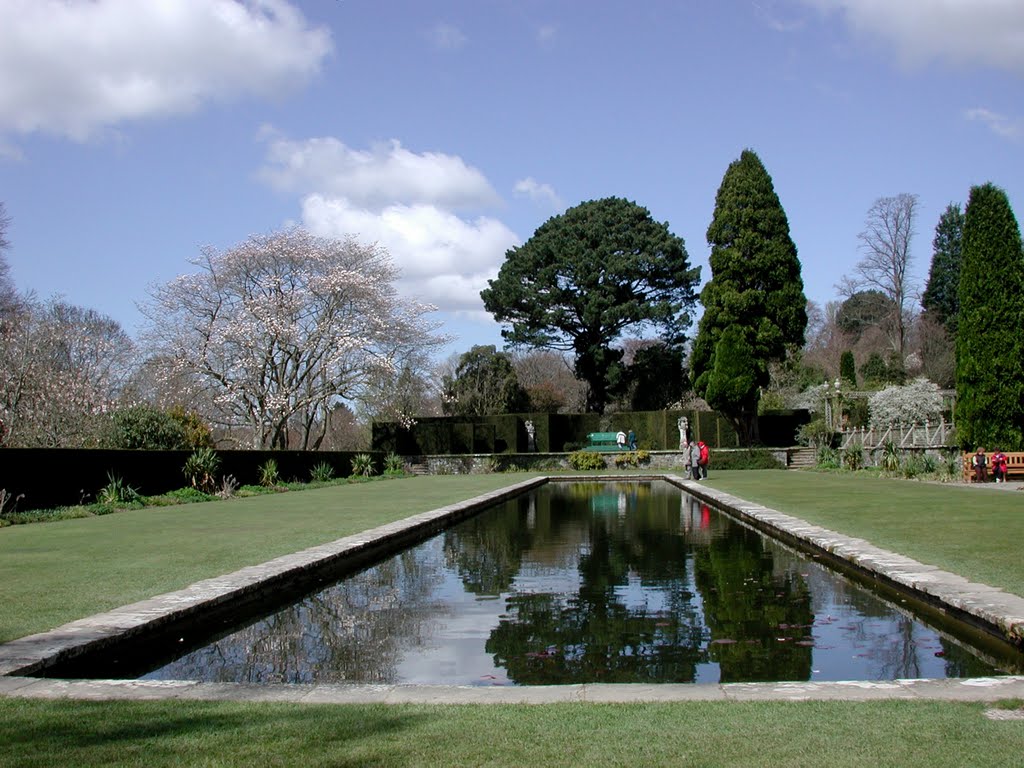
584,582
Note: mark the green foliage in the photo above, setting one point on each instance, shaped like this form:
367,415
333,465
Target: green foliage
657,378
864,310
815,433
588,275
484,383
201,470
394,464
143,427
362,465
853,457
117,492
188,495
634,459
990,335
322,472
877,372
752,458
890,461
730,386
196,431
827,457
941,297
847,368
755,290
586,460
269,474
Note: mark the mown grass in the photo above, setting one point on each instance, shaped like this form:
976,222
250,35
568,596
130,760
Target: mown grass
52,573
836,734
975,532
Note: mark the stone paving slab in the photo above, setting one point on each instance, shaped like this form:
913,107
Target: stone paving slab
973,689
986,604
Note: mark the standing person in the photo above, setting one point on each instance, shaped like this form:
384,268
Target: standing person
631,440
980,463
999,465
620,439
695,461
705,457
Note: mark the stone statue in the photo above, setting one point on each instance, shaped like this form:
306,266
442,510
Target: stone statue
684,430
531,437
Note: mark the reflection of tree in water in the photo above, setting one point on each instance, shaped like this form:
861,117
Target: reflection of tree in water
607,631
760,619
353,631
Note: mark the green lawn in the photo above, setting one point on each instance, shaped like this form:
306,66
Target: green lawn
54,572
975,532
833,734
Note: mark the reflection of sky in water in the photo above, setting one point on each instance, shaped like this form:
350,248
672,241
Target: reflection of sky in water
645,580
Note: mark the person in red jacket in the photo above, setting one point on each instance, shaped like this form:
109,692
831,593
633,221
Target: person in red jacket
999,466
705,457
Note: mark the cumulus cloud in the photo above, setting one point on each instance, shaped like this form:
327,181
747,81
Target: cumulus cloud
406,202
543,194
386,173
444,259
75,68
1001,125
986,32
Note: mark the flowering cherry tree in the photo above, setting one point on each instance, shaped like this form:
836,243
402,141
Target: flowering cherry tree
917,402
280,328
62,368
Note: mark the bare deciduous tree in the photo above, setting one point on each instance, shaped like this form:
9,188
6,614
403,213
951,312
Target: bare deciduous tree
885,267
283,326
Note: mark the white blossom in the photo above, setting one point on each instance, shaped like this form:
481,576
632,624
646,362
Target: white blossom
915,403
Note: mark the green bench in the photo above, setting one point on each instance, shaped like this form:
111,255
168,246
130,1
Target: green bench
603,441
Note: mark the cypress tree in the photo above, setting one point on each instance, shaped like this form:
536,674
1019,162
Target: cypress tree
990,337
941,296
847,368
755,287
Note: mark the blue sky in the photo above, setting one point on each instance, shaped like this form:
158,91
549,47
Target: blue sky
134,132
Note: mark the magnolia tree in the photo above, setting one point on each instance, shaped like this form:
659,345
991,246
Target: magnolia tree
280,328
62,369
917,402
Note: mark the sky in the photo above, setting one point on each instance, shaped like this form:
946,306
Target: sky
135,132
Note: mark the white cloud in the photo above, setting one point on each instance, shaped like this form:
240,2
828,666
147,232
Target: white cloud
544,194
987,32
445,259
74,68
1008,127
446,37
385,174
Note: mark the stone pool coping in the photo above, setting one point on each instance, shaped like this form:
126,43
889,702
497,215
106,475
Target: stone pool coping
19,659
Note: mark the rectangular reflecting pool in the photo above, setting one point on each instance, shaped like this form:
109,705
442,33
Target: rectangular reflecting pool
632,582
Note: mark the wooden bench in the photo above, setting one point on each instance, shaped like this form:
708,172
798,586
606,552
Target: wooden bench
603,441
1014,465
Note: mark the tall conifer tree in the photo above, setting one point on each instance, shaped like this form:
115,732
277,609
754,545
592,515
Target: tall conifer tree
942,293
755,288
990,334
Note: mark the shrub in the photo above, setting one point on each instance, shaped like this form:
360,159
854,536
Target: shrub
915,403
201,470
815,434
827,457
853,457
322,472
143,427
890,457
394,464
747,459
912,466
228,486
117,492
632,459
362,465
188,495
586,460
269,476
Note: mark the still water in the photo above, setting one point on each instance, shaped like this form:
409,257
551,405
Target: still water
588,582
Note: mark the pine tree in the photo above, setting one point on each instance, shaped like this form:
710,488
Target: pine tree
847,368
941,296
990,335
755,287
